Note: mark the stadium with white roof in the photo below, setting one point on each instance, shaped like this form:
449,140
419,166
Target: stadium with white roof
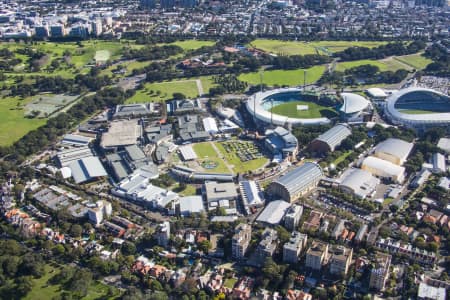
418,108
259,105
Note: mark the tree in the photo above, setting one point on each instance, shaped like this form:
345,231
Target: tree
179,96
283,234
128,248
76,230
204,246
24,285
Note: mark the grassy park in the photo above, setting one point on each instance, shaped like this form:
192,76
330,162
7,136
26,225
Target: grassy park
206,153
416,61
285,77
303,48
383,66
192,44
231,152
289,109
14,124
162,91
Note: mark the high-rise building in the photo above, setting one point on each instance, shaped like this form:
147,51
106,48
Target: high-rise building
380,272
340,260
188,3
163,234
99,212
241,239
267,245
96,27
317,255
41,31
57,31
293,216
293,248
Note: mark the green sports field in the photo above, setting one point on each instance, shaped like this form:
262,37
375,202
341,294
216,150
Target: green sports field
13,124
192,44
289,109
416,61
391,65
301,48
284,77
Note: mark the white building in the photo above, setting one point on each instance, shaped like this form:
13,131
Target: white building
210,125
99,212
383,168
293,216
393,150
163,234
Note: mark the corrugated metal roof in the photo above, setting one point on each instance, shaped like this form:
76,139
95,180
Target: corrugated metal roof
335,135
274,212
301,177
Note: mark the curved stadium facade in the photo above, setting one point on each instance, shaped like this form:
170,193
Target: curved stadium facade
418,108
259,104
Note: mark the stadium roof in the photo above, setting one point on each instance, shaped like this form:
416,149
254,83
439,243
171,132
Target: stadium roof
361,182
395,147
255,107
187,152
376,92
86,169
274,212
191,204
387,167
353,103
335,135
301,177
400,117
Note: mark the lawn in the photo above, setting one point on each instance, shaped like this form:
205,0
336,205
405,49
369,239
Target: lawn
284,77
302,48
342,66
206,152
162,91
13,124
289,109
230,282
342,157
42,290
416,61
192,44
189,190
238,165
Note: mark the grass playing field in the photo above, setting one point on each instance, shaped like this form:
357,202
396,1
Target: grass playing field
416,61
13,124
289,109
391,65
162,91
206,152
284,77
302,48
192,44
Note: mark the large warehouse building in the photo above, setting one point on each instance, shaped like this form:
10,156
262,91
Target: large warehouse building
328,141
383,168
359,183
418,108
393,150
297,182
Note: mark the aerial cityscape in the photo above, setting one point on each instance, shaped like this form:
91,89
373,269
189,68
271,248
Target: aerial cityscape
196,149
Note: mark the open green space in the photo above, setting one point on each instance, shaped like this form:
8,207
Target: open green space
416,61
383,66
13,124
302,48
188,190
289,109
207,154
43,290
162,91
192,44
285,77
230,282
102,55
342,157
240,166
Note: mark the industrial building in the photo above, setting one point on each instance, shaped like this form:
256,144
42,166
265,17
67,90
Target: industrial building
384,169
438,162
329,140
191,205
87,169
393,150
221,195
67,156
137,110
121,133
280,142
252,195
358,182
184,106
187,153
293,248
191,175
191,129
273,213
444,144
76,140
297,182
210,125
158,134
